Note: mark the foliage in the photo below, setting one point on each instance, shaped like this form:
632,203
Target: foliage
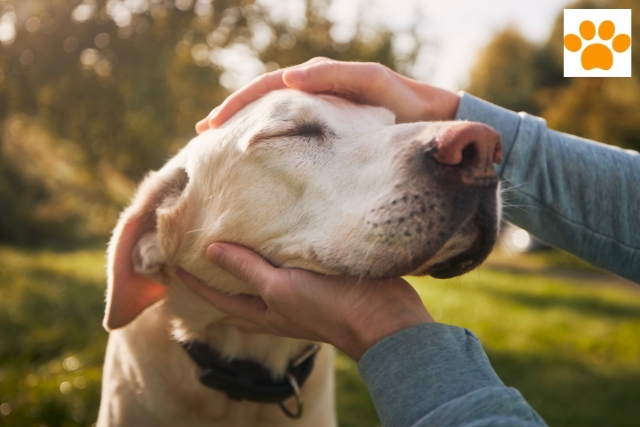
94,93
511,56
51,340
569,344
519,75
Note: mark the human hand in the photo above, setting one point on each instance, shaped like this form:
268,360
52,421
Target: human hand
364,82
351,314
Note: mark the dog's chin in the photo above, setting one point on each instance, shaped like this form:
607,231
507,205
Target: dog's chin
463,262
466,257
457,256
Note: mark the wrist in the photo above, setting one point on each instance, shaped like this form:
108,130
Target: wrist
449,103
438,104
379,326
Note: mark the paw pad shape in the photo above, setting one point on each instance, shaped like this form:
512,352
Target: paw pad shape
597,55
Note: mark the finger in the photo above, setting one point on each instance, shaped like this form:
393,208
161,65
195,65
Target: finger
203,124
349,79
246,95
244,264
318,76
247,307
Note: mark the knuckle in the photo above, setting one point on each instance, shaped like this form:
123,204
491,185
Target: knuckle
274,323
269,75
260,81
318,59
268,291
330,63
243,268
377,71
273,289
378,76
324,63
262,78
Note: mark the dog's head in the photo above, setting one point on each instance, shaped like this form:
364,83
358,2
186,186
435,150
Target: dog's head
313,182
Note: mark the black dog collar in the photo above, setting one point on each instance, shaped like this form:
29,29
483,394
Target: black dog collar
247,380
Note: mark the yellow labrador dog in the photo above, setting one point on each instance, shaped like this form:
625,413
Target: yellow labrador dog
312,182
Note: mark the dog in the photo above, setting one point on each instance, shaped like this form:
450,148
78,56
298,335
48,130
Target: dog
308,181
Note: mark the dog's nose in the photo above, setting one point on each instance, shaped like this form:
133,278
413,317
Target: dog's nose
470,149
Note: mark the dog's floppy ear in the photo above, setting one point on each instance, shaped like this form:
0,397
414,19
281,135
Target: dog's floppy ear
135,252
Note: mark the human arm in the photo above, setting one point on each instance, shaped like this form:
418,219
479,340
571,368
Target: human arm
577,195
439,375
419,372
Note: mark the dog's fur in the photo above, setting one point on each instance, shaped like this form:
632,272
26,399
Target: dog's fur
312,182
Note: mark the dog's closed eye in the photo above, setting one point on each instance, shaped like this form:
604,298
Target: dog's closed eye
316,129
305,129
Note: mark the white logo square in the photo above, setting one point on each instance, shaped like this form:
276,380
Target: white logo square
597,43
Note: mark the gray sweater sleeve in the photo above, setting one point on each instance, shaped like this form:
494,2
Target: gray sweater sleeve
577,195
438,375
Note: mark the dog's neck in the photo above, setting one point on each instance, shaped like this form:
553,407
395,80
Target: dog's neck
191,318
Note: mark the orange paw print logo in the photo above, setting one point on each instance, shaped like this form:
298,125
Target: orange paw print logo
595,54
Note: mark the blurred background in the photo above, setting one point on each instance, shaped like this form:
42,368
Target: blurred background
95,93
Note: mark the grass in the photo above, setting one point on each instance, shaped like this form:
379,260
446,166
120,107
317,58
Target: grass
567,337
570,346
51,341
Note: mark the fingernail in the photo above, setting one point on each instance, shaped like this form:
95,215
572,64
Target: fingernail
209,120
215,253
297,75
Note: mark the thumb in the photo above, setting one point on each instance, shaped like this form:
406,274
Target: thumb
248,307
244,264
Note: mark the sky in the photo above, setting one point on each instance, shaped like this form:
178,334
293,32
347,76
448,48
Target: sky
457,30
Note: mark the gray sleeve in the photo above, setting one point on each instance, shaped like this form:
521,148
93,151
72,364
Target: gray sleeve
439,375
577,195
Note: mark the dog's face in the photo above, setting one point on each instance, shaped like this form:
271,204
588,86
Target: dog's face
313,182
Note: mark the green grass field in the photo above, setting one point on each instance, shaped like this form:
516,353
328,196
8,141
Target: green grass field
567,337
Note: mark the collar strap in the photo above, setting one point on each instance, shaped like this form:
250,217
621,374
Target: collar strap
248,380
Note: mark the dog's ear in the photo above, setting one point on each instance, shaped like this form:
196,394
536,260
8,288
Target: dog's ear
136,254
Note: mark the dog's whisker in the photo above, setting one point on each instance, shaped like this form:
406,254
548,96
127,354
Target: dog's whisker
514,187
196,230
523,208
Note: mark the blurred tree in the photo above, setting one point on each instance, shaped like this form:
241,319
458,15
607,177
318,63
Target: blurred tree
522,76
505,73
94,93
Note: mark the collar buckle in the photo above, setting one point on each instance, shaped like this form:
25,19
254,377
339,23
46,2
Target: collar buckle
309,352
299,402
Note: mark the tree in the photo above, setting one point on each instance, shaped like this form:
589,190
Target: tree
521,76
505,72
94,93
